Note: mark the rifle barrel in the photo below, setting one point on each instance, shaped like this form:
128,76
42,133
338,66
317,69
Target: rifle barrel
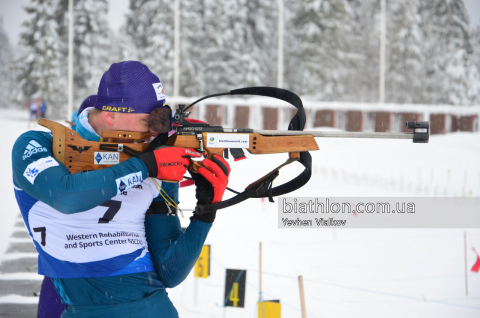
334,134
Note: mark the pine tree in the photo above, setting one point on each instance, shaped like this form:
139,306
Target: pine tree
403,78
474,68
6,56
222,45
40,73
445,28
366,24
292,68
225,61
262,41
327,53
123,47
192,47
150,24
92,43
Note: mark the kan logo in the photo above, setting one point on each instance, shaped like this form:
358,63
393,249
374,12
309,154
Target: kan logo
128,181
135,179
106,158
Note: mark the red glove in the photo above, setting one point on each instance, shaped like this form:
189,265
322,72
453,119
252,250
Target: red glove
168,163
216,172
211,182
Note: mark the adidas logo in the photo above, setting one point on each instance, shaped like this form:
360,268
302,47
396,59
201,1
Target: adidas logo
32,148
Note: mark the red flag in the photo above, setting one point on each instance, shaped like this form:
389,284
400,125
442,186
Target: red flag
476,266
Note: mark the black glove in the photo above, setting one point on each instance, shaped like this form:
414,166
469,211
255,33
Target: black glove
211,182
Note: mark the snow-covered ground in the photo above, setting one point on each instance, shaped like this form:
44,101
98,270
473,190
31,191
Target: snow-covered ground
346,272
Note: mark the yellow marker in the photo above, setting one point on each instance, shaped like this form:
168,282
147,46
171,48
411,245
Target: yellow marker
202,266
234,295
269,309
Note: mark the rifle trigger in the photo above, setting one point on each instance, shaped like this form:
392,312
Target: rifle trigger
120,148
237,154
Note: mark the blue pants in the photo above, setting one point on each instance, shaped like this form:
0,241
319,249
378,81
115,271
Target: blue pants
49,305
156,305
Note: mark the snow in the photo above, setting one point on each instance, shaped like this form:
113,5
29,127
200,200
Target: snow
17,299
346,272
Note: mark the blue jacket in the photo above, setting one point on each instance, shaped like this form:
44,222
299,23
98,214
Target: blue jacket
127,284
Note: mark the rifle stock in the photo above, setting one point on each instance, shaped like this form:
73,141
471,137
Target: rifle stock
78,154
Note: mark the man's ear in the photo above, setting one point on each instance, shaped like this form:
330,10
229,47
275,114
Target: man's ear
109,117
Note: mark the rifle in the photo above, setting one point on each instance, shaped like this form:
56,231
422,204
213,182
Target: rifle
79,155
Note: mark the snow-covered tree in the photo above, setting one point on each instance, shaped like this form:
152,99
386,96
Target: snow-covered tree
6,56
331,47
192,46
223,45
404,73
366,23
292,68
262,41
123,47
150,23
474,68
327,51
225,62
446,46
92,43
40,72
43,69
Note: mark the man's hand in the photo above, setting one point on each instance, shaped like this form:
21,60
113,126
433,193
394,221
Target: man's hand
211,182
167,163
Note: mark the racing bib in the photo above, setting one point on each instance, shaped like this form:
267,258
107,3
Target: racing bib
106,240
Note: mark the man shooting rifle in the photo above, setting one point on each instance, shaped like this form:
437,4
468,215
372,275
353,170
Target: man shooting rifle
110,239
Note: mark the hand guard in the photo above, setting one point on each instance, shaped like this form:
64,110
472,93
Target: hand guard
211,183
167,163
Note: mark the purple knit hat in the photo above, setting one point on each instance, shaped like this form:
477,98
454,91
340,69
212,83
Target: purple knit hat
129,87
87,102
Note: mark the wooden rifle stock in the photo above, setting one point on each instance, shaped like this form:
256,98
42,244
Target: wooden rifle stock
78,154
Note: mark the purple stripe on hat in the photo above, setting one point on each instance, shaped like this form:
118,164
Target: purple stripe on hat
129,87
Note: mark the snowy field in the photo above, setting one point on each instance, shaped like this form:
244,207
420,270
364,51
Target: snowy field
347,273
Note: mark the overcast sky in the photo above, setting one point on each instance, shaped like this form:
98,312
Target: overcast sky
13,15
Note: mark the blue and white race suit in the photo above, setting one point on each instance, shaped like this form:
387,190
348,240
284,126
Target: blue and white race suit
103,254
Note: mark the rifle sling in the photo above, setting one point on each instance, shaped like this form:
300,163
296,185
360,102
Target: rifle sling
262,188
297,123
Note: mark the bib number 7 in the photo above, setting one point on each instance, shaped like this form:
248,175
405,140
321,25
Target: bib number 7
112,205
113,208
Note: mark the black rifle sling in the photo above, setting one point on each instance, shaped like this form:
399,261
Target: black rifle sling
262,188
